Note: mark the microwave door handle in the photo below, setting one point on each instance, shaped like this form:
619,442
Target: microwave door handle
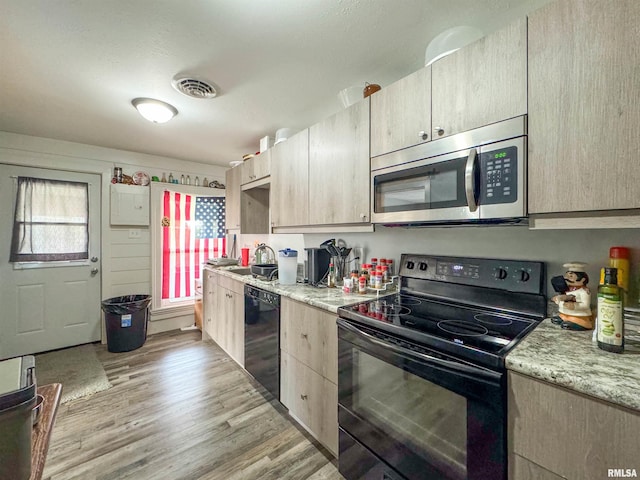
470,180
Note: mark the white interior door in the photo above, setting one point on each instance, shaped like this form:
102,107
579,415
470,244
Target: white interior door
49,305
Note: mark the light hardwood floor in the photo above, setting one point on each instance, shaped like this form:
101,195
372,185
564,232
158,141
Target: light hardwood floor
180,409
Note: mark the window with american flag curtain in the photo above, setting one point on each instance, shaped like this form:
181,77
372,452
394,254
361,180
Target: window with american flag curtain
192,233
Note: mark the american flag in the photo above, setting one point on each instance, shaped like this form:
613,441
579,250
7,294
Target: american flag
193,232
209,217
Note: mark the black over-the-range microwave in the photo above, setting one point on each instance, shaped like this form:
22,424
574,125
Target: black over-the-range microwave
478,176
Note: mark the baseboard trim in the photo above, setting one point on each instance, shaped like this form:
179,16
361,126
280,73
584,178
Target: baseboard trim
165,324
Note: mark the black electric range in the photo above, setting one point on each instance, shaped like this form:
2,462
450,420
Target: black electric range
421,376
475,309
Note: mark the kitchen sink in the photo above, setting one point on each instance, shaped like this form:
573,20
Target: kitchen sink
241,271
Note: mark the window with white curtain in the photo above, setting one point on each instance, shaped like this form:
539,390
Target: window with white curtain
51,221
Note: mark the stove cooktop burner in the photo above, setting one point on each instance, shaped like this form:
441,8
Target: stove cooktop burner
490,319
462,328
406,300
461,325
395,309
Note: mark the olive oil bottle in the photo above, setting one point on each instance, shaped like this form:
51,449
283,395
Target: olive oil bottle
610,333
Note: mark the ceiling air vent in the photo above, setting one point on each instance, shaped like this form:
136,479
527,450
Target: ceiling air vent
194,87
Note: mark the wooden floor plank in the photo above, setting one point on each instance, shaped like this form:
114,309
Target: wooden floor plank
180,409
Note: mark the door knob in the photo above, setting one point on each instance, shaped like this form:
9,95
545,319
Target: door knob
439,131
94,272
94,259
423,135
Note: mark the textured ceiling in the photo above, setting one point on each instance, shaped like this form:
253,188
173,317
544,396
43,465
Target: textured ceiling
70,68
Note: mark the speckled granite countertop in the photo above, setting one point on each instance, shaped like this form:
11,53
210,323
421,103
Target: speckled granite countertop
565,358
329,299
571,360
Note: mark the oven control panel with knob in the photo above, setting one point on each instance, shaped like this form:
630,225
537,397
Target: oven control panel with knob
511,275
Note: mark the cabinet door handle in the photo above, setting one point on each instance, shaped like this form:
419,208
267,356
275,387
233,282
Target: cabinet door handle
439,131
423,135
303,397
363,217
304,335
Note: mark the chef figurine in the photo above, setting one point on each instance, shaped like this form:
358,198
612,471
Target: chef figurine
574,301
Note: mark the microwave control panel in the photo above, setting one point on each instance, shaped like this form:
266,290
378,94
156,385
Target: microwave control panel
499,176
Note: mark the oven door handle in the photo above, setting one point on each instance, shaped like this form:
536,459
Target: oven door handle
470,180
450,365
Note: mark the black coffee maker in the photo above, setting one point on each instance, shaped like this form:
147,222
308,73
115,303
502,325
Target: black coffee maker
317,264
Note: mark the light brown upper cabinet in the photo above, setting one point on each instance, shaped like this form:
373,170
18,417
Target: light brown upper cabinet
246,211
254,203
481,83
256,168
401,113
232,199
339,168
290,181
584,106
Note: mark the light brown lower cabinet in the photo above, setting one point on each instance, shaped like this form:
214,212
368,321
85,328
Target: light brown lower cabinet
311,399
309,369
209,304
311,336
223,303
557,433
522,469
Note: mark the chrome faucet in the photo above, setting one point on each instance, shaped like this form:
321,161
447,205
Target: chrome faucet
265,254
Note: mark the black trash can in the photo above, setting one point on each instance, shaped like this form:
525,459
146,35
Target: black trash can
126,321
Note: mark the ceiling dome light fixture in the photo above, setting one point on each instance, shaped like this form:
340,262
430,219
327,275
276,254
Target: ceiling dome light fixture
155,111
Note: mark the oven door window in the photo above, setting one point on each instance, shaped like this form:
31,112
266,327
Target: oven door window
425,414
429,420
437,185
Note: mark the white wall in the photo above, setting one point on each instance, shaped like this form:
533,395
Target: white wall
275,241
130,264
554,247
126,262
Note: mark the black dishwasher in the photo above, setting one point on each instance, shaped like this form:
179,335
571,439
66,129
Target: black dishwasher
262,337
